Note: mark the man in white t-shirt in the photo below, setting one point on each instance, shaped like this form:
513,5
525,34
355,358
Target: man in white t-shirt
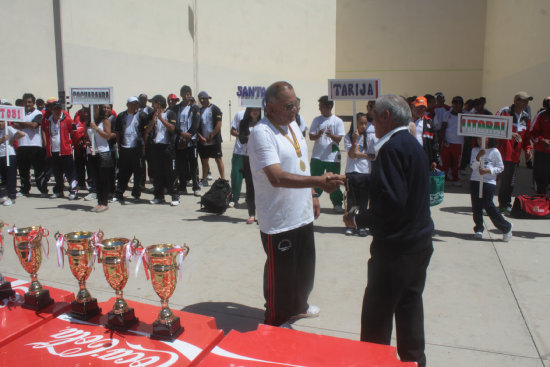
209,136
451,146
327,130
30,151
286,206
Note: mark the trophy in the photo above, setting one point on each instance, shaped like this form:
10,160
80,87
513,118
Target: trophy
5,286
81,251
163,263
115,254
28,247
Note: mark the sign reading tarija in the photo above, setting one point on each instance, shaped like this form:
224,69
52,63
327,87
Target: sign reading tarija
354,89
100,95
12,113
250,96
499,127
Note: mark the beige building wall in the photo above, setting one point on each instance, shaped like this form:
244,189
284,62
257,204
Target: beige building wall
517,51
414,47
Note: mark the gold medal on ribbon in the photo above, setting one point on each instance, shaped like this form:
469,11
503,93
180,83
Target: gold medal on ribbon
302,165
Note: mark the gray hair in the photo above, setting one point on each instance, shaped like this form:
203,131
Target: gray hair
272,92
398,107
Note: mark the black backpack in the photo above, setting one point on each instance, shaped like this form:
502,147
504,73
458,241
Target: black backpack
217,198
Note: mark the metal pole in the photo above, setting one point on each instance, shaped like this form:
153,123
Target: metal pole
354,122
59,51
230,119
92,138
6,142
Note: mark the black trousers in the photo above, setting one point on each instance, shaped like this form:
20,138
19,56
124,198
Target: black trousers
541,171
486,202
129,163
9,173
506,180
80,166
35,157
187,167
395,286
357,185
62,165
163,171
289,273
247,174
101,176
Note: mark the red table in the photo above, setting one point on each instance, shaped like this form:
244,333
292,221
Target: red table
64,341
272,346
16,321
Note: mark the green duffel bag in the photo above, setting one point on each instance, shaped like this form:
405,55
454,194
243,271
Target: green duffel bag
437,187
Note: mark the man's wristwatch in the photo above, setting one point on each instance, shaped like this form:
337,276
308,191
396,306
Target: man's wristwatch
315,195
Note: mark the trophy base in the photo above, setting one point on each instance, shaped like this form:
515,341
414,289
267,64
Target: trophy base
38,302
84,311
6,291
121,321
167,332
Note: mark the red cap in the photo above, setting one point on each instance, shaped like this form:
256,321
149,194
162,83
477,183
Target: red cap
172,96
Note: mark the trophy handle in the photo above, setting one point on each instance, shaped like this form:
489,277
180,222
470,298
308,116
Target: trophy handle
100,234
45,232
135,244
186,252
57,235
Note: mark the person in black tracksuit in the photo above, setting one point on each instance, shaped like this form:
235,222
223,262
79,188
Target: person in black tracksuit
400,221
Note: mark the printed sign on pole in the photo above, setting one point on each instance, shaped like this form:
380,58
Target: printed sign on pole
354,89
94,95
251,96
12,113
499,127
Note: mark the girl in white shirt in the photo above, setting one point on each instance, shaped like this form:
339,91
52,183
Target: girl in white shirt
7,154
487,163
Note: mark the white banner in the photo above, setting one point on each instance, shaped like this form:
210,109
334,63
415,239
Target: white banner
97,95
12,113
489,126
354,89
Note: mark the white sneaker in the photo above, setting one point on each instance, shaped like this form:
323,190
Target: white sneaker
209,177
312,311
363,232
197,193
56,196
286,325
91,196
72,196
478,235
508,235
174,203
231,204
2,199
349,231
338,209
156,201
113,200
8,202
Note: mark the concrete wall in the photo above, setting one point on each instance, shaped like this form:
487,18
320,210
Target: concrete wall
517,52
415,47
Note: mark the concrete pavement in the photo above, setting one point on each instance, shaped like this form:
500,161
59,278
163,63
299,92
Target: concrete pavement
485,301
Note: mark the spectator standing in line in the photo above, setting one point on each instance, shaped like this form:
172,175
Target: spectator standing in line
451,145
540,135
8,172
510,149
424,131
236,161
327,130
210,137
439,109
250,118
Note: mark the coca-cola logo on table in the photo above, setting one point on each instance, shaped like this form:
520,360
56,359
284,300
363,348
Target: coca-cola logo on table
73,342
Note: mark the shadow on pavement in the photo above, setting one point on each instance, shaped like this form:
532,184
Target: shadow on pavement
229,316
464,210
74,207
207,217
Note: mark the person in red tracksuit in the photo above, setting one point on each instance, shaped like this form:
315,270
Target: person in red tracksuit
58,136
540,135
510,149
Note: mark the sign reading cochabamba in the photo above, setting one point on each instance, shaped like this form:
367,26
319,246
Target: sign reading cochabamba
354,89
251,96
94,95
499,127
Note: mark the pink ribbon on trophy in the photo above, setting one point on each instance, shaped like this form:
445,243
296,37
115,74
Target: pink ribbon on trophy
96,239
183,251
141,260
129,254
59,245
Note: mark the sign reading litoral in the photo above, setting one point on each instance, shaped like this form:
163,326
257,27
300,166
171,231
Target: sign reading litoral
95,95
250,96
499,127
354,89
12,113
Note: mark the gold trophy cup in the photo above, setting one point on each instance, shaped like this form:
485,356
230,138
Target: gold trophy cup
5,286
79,250
163,265
114,254
28,247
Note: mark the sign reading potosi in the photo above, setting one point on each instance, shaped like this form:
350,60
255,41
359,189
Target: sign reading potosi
99,95
499,127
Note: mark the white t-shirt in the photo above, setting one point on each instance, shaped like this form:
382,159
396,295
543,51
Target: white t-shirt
302,124
206,124
419,129
279,209
130,131
492,160
55,136
324,148
162,135
33,137
360,165
11,134
101,144
235,125
451,132
439,113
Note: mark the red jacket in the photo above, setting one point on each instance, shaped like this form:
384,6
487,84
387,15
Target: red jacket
540,131
65,133
509,148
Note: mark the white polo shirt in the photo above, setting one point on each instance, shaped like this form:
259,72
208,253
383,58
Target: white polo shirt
33,137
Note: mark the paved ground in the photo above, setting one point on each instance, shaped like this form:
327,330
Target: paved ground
486,301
